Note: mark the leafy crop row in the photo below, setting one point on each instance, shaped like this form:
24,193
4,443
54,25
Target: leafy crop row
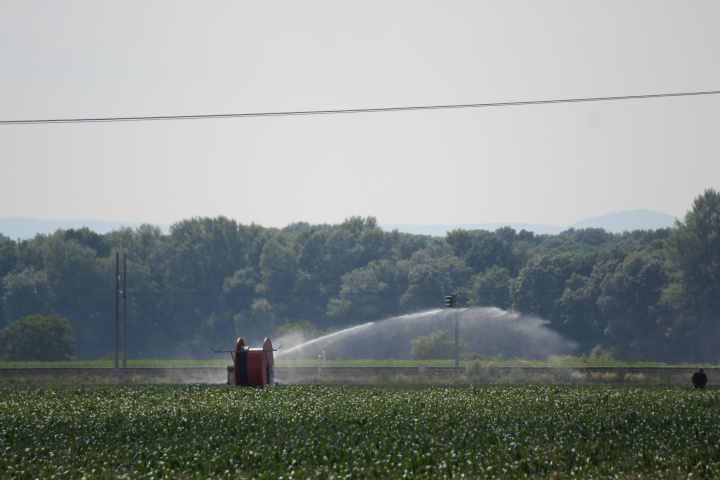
338,432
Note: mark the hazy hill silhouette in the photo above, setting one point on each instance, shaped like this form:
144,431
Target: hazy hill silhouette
25,228
616,222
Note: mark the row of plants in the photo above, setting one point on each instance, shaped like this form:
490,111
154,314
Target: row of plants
342,432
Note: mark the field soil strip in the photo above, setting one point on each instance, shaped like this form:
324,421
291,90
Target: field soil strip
483,374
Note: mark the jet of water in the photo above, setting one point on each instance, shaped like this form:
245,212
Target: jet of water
308,345
488,331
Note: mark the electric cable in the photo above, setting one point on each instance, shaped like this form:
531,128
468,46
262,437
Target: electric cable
345,111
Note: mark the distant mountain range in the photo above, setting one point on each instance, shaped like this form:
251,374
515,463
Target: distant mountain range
618,222
25,228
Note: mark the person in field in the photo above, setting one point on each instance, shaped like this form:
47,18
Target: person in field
699,379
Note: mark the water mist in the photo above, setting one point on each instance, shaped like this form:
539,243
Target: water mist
488,331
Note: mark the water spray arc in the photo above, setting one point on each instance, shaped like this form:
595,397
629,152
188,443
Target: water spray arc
487,331
324,339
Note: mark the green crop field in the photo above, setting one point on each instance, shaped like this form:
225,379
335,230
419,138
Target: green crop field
345,432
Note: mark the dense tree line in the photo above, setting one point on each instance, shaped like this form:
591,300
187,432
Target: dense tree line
652,294
38,338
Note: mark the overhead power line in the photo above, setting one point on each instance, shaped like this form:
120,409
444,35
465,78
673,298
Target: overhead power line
342,111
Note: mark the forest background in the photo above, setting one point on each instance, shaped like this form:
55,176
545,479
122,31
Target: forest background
643,294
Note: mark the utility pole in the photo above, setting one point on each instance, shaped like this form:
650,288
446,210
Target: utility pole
124,290
118,290
117,308
451,301
457,341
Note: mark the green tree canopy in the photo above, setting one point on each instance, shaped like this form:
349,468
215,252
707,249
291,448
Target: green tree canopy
304,328
641,293
38,338
693,296
438,345
491,288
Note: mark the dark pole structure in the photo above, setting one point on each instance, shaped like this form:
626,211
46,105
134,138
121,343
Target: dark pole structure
117,307
457,341
124,290
451,301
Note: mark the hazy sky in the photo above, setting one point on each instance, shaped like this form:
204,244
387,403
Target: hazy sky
550,164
